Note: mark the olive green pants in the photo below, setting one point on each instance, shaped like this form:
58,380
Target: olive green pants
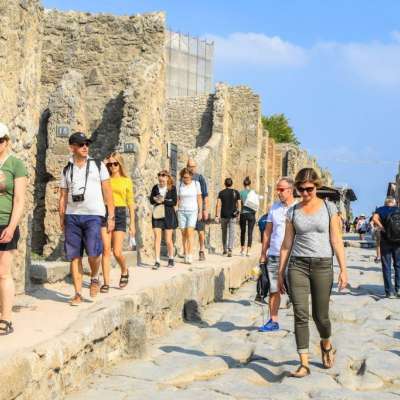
310,276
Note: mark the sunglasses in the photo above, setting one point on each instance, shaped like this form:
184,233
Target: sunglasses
80,145
281,190
162,175
3,140
308,189
112,164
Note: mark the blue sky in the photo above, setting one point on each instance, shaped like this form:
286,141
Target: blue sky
333,67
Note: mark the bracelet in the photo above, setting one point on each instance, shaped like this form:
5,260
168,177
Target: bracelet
112,217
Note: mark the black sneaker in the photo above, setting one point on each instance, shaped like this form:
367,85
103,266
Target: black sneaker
171,263
224,253
156,265
229,253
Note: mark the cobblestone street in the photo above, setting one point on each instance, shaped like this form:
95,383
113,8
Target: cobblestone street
223,357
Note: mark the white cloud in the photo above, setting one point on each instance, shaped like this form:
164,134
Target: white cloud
375,63
256,49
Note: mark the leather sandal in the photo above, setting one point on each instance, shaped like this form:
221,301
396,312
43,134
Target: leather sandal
105,289
328,356
5,327
301,372
123,282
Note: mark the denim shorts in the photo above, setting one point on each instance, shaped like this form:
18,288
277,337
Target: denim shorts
273,268
82,232
187,219
120,219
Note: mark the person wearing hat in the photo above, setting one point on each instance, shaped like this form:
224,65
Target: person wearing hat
13,181
84,188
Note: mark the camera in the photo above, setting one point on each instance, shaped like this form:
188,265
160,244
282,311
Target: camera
77,198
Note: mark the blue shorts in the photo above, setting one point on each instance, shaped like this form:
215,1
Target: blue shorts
82,232
187,219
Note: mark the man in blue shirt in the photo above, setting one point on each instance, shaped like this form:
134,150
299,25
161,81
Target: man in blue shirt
201,225
389,250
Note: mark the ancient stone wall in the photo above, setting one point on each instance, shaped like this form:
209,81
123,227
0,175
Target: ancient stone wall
20,49
189,123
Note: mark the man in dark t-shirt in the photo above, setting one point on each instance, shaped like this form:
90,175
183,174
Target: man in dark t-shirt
389,250
227,212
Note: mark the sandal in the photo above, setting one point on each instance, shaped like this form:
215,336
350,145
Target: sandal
328,356
299,374
7,328
105,289
123,282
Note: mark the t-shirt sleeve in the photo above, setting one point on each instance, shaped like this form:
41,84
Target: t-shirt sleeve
63,181
289,214
269,216
198,188
104,175
129,192
19,169
333,210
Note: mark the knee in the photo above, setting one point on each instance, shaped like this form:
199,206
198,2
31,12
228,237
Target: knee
118,254
106,251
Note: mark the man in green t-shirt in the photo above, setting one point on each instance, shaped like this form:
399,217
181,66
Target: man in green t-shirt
12,198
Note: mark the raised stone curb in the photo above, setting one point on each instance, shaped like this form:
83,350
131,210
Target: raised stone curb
364,244
56,271
105,332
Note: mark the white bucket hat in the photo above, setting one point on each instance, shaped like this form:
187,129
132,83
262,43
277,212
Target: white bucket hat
4,130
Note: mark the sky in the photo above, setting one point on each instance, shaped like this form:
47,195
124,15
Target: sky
331,66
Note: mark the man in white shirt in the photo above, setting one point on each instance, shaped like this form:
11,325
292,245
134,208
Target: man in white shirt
271,246
84,187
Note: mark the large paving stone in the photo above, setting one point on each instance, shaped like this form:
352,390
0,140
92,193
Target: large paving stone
384,364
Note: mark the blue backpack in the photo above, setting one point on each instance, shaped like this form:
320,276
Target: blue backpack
262,223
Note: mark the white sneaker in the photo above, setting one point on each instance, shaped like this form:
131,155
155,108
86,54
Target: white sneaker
186,259
189,259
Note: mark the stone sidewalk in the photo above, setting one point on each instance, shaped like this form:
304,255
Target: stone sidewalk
223,357
56,346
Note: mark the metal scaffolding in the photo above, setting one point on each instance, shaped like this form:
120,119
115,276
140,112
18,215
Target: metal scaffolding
189,65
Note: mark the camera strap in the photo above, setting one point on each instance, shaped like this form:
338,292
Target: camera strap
86,174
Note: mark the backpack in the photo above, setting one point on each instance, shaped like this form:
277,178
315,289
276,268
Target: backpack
252,201
263,283
392,227
262,223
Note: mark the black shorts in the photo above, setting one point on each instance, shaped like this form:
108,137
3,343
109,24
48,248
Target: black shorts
200,226
13,244
163,224
120,219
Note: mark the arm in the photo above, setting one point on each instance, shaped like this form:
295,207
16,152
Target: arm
206,207
338,248
200,206
218,211
285,254
153,194
62,206
131,207
108,199
376,219
18,209
266,241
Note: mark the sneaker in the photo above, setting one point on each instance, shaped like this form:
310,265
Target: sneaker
171,263
156,265
270,326
398,294
229,253
76,300
94,287
242,254
224,253
390,296
202,256
377,260
189,260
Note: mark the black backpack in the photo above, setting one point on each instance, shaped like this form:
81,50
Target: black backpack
263,283
392,227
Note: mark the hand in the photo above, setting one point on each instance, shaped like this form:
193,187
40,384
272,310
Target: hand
199,216
263,259
7,234
132,230
62,222
342,280
205,215
217,220
281,284
110,225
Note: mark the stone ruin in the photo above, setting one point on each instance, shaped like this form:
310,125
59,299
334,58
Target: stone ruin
106,75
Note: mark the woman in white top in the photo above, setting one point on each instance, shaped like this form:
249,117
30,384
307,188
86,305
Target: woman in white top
189,210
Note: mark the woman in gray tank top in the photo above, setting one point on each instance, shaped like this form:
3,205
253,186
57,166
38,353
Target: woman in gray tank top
312,236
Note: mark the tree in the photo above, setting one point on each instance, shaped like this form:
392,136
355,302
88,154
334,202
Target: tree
279,129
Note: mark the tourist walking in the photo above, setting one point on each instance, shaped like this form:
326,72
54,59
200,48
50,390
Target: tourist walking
201,223
362,226
247,217
84,188
271,245
312,235
122,192
164,198
13,182
387,219
190,211
227,212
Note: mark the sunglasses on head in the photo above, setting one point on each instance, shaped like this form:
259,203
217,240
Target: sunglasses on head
308,189
112,164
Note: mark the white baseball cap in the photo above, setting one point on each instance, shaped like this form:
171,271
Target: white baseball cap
4,130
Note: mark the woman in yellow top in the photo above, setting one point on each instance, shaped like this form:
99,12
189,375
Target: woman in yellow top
122,190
